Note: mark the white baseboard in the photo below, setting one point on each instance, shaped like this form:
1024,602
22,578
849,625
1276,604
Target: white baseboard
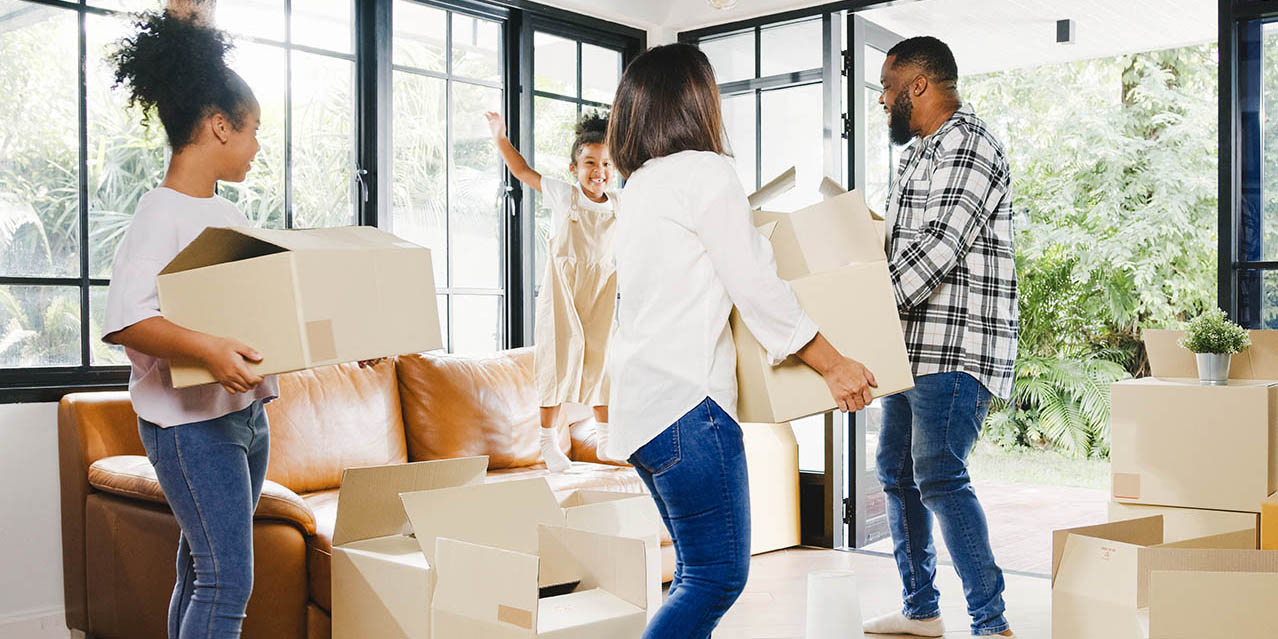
50,623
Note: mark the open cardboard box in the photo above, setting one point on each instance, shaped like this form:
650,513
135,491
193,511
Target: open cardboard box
508,565
382,584
1180,524
1120,581
1174,442
302,298
832,255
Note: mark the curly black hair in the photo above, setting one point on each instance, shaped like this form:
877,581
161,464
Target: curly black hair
592,128
176,67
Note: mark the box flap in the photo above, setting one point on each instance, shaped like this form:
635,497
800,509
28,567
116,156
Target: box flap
217,245
618,565
1167,358
1221,604
368,504
481,591
1202,557
330,239
1241,539
824,236
503,515
588,614
1145,531
613,513
1100,569
777,187
830,188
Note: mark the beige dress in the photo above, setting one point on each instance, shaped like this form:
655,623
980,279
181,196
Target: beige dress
575,309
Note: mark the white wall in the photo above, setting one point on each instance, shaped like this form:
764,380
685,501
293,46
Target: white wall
30,523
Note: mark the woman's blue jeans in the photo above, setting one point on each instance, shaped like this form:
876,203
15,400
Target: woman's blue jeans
696,471
927,434
212,474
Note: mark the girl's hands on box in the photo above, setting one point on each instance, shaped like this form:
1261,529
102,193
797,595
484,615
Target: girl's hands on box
228,359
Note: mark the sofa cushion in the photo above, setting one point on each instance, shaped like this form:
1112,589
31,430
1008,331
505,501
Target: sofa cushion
134,476
331,418
463,406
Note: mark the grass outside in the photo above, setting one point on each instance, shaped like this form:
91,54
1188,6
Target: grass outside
1032,466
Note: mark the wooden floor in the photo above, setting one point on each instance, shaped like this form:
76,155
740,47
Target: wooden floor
773,605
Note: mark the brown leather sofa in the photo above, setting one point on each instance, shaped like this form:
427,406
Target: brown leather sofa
119,538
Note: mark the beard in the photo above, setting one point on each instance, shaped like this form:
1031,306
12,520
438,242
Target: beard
899,119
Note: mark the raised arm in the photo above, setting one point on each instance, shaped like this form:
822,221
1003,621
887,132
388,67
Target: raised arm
510,155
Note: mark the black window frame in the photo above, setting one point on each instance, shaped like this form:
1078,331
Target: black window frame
371,34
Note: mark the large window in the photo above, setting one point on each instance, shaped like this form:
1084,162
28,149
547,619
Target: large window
74,160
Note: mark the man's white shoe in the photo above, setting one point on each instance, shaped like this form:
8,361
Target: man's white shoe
896,623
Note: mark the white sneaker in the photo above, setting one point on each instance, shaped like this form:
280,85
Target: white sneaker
895,623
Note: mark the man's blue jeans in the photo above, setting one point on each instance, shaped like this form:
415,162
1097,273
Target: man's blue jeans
212,474
696,471
927,434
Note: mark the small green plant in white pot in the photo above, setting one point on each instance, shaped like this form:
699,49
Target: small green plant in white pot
1214,340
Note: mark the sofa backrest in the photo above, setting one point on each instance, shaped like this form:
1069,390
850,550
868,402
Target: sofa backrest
331,418
457,406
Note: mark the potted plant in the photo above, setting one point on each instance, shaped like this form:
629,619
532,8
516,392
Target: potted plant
1213,340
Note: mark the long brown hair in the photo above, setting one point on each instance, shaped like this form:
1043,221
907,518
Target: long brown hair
667,102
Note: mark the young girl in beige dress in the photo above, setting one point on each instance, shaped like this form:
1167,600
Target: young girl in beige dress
579,289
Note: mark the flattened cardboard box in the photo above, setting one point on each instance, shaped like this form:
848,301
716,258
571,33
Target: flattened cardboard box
1106,580
503,542
302,298
1177,443
1180,524
832,255
381,582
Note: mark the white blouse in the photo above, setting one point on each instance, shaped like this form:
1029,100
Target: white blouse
687,252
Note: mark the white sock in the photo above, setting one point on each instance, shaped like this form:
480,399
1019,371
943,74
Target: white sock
554,457
895,623
601,441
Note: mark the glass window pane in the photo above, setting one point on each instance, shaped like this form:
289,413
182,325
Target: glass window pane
476,48
553,123
1266,240
128,5
101,354
39,326
39,174
732,57
257,18
417,188
790,47
420,34
324,24
879,167
792,130
1258,298
126,158
554,64
442,303
600,73
873,60
475,211
476,324
323,141
739,126
260,197
810,434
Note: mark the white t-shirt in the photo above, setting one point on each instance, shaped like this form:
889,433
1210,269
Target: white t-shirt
557,194
687,252
164,222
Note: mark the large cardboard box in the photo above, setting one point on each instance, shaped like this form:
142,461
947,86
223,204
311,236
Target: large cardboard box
1174,442
381,582
832,255
772,457
1180,524
1120,581
502,545
302,298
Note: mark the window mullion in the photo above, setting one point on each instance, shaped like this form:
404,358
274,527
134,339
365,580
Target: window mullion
82,72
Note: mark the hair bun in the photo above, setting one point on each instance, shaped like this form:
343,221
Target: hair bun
593,122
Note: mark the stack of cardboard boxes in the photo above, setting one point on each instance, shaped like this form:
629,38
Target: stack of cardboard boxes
1193,468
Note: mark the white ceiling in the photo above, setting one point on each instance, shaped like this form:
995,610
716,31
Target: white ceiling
986,35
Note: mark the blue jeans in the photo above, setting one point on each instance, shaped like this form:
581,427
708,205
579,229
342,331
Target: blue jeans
212,474
696,471
922,463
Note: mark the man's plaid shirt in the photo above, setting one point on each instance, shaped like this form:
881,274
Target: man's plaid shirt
950,251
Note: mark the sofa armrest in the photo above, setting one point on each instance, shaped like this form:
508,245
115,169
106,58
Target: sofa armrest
133,476
583,444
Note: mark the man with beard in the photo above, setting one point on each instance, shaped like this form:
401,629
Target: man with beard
950,253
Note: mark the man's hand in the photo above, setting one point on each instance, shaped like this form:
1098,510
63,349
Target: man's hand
228,360
496,125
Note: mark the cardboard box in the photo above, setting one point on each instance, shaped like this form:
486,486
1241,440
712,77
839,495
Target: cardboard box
1187,523
1119,581
1185,604
772,457
1174,442
501,543
1269,523
302,298
833,258
381,582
